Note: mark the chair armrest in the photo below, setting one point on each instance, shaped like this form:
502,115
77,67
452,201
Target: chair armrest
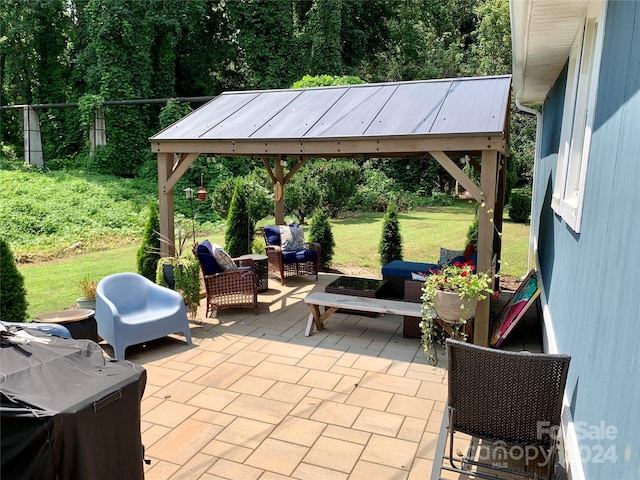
273,248
313,246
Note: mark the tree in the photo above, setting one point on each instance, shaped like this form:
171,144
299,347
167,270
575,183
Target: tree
148,254
253,188
13,294
321,232
338,180
302,195
324,33
390,248
238,235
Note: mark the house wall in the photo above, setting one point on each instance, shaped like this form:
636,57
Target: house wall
590,280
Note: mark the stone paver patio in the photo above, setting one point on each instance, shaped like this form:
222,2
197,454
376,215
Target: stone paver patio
254,398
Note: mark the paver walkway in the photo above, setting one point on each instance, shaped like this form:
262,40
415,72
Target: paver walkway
256,399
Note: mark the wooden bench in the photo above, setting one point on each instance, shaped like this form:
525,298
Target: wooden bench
334,301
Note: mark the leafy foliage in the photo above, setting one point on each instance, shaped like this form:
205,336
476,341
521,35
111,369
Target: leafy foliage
186,274
253,188
45,213
172,112
390,248
12,290
338,180
149,252
326,81
520,206
374,194
321,233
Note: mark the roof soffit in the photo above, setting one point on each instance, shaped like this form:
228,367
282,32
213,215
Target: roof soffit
542,34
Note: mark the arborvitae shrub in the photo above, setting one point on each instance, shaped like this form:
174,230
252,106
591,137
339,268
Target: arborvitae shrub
237,238
391,242
321,232
13,294
472,233
520,207
149,252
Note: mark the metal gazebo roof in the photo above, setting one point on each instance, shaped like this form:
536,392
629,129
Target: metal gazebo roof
387,118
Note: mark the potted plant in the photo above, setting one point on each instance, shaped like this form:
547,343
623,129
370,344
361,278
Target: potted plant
451,294
181,273
88,290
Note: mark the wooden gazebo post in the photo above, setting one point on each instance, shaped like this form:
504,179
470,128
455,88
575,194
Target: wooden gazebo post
165,196
486,232
278,189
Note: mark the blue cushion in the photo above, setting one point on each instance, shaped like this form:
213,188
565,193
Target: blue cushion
206,259
400,268
301,256
207,244
474,259
272,235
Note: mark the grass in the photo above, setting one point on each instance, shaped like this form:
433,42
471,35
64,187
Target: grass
54,285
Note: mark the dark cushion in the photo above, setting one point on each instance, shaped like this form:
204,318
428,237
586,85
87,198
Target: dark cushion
207,244
400,268
206,259
272,235
301,256
474,259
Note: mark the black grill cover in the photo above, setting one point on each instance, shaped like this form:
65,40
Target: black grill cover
69,413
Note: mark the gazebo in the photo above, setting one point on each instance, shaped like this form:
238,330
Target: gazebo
443,119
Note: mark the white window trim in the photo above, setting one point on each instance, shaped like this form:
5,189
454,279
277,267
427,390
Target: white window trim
578,116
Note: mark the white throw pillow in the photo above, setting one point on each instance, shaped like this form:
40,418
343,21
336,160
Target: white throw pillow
292,238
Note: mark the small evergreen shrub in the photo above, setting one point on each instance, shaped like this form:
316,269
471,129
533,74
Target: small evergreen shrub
520,207
13,294
391,242
149,252
321,232
237,237
472,233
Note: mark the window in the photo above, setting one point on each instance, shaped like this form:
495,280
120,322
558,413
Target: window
578,114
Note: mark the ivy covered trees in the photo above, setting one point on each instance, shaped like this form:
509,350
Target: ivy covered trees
61,51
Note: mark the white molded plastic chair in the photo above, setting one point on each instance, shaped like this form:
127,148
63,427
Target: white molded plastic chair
131,309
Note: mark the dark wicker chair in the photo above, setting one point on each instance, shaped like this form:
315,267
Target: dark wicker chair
289,264
505,399
228,288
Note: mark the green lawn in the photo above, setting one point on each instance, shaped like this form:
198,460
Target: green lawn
54,285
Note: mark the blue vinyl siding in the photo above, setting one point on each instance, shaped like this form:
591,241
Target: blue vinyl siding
590,279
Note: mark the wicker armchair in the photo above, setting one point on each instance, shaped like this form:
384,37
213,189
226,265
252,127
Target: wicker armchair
506,399
232,288
284,264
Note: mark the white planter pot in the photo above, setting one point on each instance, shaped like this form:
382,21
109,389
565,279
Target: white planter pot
451,308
